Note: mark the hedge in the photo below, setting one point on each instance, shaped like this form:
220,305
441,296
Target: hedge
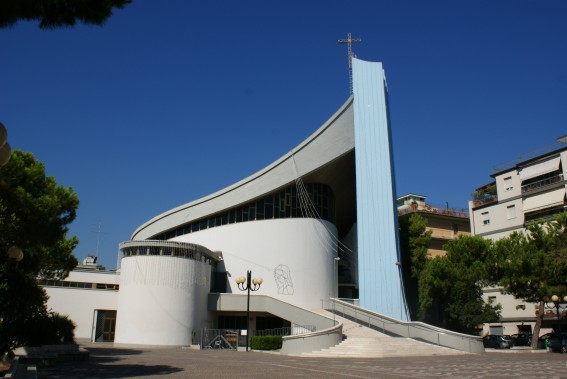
266,342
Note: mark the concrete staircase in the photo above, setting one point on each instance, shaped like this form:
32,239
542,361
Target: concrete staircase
363,342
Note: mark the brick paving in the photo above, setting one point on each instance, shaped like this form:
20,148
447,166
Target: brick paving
109,362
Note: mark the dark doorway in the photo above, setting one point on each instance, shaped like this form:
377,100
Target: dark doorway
105,325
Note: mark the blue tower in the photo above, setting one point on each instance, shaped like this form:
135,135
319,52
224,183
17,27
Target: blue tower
379,270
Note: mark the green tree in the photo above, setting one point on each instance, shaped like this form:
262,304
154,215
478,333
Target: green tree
414,243
450,286
34,215
58,13
533,266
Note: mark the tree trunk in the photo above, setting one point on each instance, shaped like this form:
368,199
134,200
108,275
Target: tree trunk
539,320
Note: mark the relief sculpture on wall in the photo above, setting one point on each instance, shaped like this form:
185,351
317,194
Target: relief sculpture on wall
282,275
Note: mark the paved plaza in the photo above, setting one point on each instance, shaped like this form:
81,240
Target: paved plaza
110,362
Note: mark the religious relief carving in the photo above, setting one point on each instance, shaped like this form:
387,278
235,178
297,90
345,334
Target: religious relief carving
282,275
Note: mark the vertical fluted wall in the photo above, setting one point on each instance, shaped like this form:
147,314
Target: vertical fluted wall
379,275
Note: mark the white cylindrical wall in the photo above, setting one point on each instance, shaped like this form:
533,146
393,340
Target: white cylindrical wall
161,300
295,256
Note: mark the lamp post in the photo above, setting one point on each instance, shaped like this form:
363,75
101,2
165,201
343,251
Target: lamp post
557,301
336,272
15,254
335,283
248,284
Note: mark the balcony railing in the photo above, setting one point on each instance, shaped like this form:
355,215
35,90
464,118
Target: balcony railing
486,200
542,183
546,214
432,209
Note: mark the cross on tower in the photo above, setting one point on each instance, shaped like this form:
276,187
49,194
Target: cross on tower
349,41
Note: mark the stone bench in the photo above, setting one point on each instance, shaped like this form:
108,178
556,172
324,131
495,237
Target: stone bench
48,355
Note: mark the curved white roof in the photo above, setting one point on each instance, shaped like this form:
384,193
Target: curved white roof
331,141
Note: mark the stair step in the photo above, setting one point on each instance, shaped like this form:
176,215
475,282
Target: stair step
363,342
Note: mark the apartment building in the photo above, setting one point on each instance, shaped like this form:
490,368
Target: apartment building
444,223
530,189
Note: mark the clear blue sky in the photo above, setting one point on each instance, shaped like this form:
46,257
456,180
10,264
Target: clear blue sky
171,101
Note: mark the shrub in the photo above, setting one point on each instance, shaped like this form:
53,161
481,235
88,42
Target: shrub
266,342
52,329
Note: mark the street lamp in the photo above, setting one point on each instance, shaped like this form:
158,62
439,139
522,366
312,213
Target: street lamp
557,301
248,284
15,253
335,283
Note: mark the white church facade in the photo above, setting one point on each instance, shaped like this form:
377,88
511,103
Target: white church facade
318,223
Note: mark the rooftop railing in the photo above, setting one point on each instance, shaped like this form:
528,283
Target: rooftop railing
486,200
433,209
539,151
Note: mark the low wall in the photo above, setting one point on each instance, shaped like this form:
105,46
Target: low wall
305,343
416,330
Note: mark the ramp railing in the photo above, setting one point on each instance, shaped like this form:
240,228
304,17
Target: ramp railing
413,329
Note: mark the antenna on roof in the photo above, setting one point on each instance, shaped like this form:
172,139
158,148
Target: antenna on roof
98,231
349,41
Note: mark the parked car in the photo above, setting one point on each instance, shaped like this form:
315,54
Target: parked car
497,341
558,342
521,339
542,341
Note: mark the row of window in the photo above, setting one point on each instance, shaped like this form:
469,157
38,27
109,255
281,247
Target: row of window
528,217
510,214
69,284
167,251
316,201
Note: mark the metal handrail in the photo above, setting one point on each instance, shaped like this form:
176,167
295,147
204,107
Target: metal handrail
286,331
434,209
413,329
542,183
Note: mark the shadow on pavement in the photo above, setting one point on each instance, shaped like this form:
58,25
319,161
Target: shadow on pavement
105,363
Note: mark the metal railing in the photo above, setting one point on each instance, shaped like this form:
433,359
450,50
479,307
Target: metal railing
221,339
230,339
433,209
286,331
486,200
542,183
537,152
416,330
547,214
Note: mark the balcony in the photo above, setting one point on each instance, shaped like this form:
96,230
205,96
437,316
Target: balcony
548,181
546,214
485,195
485,200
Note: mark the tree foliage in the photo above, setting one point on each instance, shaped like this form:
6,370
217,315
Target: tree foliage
58,13
414,243
34,215
445,291
456,280
450,287
533,266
